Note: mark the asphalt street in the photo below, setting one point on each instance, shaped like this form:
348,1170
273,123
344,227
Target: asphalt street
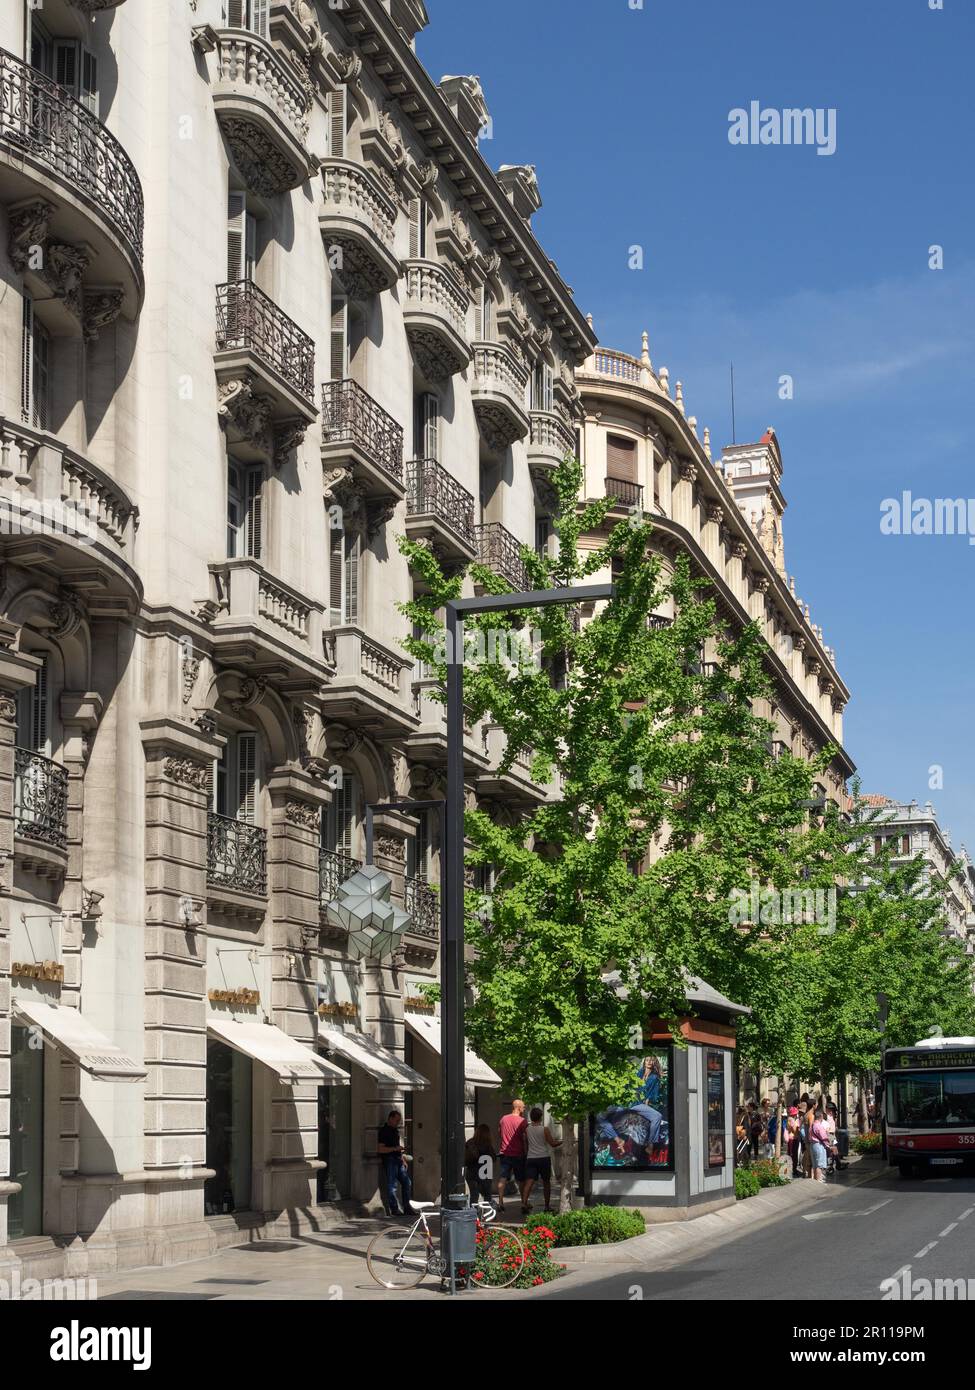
842,1249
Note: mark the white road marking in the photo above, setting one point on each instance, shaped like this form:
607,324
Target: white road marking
921,1253
947,1230
966,1213
822,1215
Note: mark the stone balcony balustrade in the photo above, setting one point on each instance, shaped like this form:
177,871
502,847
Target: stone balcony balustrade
262,107
369,685
498,388
435,314
71,190
358,224
257,620
551,440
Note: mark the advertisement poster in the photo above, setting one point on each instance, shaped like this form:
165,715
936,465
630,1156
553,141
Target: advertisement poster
637,1136
716,1107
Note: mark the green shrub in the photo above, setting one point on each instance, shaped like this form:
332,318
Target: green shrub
746,1183
591,1225
767,1172
866,1144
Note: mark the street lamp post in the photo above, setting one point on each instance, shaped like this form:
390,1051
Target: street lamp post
452,885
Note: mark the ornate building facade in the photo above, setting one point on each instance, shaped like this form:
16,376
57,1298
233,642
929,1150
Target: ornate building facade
266,307
949,872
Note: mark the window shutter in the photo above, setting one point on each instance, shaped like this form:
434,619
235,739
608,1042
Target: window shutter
221,791
487,314
548,387
27,363
339,344
236,214
40,375
259,17
255,480
415,216
338,822
32,723
543,529
336,123
431,427
234,13
88,95
66,65
212,785
247,777
250,245
336,605
621,459
352,549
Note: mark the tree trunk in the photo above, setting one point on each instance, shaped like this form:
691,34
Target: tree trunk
778,1120
861,1103
570,1163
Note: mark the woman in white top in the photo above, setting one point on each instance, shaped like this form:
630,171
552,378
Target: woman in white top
538,1160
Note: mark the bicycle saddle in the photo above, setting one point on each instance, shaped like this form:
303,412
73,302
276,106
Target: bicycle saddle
422,1206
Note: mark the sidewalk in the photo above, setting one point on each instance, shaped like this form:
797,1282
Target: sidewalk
330,1265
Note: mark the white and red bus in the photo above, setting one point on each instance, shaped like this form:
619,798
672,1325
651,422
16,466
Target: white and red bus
929,1105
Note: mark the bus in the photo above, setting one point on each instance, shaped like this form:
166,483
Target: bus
929,1105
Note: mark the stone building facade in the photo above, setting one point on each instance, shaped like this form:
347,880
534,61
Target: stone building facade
915,829
639,446
266,307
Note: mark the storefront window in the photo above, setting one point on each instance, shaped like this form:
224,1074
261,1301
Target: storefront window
26,1132
229,1103
637,1136
335,1142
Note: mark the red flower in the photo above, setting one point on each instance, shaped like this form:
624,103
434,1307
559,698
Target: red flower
538,1279
478,1275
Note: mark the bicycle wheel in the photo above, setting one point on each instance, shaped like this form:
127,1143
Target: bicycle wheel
397,1259
500,1258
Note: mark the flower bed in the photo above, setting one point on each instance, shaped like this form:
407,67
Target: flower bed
867,1144
496,1256
591,1225
767,1172
746,1183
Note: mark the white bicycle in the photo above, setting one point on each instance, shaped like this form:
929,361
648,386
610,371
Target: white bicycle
399,1259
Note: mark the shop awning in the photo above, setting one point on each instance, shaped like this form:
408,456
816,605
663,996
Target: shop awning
377,1061
289,1059
427,1029
70,1032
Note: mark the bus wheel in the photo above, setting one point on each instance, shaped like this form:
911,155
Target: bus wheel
907,1170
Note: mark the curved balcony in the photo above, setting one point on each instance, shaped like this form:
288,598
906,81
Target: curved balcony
435,314
551,441
498,391
440,511
361,439
259,621
265,368
262,108
358,224
368,688
71,189
62,515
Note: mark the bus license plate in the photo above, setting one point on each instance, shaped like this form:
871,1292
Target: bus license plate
947,1160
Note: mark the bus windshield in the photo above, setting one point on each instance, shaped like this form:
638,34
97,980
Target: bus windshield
931,1100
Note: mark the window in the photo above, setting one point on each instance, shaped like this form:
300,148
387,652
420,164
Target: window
337,117
484,315
543,386
419,218
621,459
343,576
426,427
244,508
247,14
76,70
340,819
236,786
33,715
418,849
35,369
339,340
241,239
543,532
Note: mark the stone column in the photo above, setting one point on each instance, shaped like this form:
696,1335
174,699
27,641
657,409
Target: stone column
179,760
290,1113
683,496
17,670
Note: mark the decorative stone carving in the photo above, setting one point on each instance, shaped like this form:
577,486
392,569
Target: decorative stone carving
688,473
546,494
64,266
303,720
247,413
715,512
188,772
8,709
496,425
391,848
101,309
288,434
379,511
91,904
342,741
434,359
252,691
66,614
28,232
262,165
189,670
740,550
348,65
303,814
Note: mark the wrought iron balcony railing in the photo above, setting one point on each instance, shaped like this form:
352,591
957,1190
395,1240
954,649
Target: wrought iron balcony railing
624,493
656,623
431,491
236,854
501,551
351,416
247,319
334,867
423,904
40,798
47,125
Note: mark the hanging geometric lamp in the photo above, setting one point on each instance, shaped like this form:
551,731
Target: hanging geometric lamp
362,908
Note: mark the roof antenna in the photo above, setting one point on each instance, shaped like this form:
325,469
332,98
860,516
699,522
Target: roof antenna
734,437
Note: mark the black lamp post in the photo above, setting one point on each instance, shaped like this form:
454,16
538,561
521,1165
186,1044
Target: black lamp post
452,875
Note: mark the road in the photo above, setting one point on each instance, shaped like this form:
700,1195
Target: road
842,1249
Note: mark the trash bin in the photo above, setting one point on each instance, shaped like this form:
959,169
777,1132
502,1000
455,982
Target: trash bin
843,1142
458,1231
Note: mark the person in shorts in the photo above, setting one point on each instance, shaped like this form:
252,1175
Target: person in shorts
538,1160
511,1149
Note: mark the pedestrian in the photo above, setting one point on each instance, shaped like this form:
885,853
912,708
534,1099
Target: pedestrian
806,1132
818,1141
538,1160
511,1149
394,1158
768,1126
756,1128
480,1158
832,1149
794,1141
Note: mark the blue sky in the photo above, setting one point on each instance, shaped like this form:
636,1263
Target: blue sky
786,262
